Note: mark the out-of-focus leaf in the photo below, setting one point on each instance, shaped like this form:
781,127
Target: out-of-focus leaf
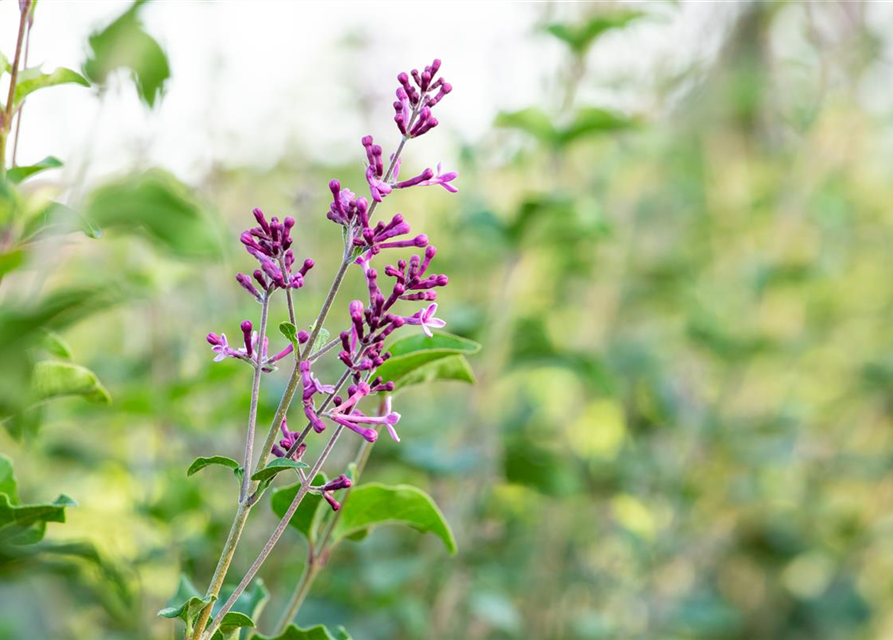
54,344
592,120
8,483
11,260
124,44
321,339
307,516
374,504
162,207
579,37
54,379
411,354
4,63
25,523
200,463
319,632
186,604
56,218
530,120
30,80
277,466
17,174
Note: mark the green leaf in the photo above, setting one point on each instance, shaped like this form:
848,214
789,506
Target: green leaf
374,504
290,331
55,345
308,514
186,604
232,622
592,120
579,37
54,379
530,120
11,261
125,44
250,602
421,342
17,174
200,463
30,80
410,355
158,205
55,219
4,63
277,466
25,524
321,339
318,632
8,483
449,368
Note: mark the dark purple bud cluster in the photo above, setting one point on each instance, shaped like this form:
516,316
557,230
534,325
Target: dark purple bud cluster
289,439
341,482
373,239
270,243
346,207
414,102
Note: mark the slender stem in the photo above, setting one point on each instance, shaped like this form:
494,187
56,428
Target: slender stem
255,395
226,557
13,78
295,378
330,298
277,533
316,561
324,349
15,141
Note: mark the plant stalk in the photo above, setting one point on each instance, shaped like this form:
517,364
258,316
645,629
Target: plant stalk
277,533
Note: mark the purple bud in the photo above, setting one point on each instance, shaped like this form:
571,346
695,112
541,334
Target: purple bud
341,482
332,502
246,332
261,220
245,281
214,340
303,336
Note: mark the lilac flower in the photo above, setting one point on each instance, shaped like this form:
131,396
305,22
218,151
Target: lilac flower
429,177
425,318
289,438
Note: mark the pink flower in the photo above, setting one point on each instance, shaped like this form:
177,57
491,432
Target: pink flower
425,318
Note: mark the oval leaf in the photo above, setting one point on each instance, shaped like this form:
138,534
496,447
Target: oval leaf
277,466
17,174
415,352
319,632
200,463
30,80
373,504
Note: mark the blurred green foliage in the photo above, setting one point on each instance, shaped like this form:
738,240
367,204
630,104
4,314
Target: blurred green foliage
681,426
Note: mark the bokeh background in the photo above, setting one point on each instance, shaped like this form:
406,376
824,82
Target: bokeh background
673,237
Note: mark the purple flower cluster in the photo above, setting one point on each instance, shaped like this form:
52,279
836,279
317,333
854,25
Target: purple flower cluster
362,344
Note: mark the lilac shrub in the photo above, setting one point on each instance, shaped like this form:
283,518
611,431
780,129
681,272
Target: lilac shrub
402,300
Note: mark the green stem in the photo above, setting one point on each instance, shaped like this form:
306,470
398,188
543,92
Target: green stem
226,557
